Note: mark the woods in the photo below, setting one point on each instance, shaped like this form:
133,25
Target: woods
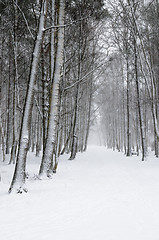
48,80
132,125
67,64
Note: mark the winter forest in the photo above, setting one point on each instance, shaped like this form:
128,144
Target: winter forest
70,70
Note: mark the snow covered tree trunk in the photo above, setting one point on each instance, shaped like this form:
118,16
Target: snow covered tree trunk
52,38
139,105
74,129
18,180
49,148
16,76
2,137
132,5
128,153
75,126
90,95
8,124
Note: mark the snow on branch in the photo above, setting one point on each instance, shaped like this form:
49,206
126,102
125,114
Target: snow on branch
66,25
24,20
81,80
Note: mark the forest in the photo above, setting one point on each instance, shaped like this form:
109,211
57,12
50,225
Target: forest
65,65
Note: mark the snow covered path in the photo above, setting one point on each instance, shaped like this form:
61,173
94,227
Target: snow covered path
102,195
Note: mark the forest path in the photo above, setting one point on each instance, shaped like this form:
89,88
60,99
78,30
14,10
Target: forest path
100,195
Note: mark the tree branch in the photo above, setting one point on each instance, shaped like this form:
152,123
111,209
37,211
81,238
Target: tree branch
65,25
24,20
80,80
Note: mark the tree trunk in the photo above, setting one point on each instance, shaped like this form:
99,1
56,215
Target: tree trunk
128,154
18,180
139,105
49,147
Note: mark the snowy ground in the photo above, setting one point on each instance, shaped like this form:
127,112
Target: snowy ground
102,195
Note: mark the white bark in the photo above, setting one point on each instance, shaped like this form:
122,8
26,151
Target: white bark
53,108
19,173
52,39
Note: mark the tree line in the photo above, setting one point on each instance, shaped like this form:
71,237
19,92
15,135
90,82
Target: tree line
63,63
130,85
48,63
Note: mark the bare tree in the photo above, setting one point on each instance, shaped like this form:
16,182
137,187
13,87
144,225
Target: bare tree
49,148
18,181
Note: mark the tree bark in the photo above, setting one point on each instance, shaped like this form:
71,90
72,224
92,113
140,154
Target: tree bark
18,181
49,148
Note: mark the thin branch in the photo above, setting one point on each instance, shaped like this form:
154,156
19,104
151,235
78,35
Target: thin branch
2,2
80,80
38,108
24,20
65,25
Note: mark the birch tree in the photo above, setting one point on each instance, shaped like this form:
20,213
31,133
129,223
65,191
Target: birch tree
18,181
50,145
